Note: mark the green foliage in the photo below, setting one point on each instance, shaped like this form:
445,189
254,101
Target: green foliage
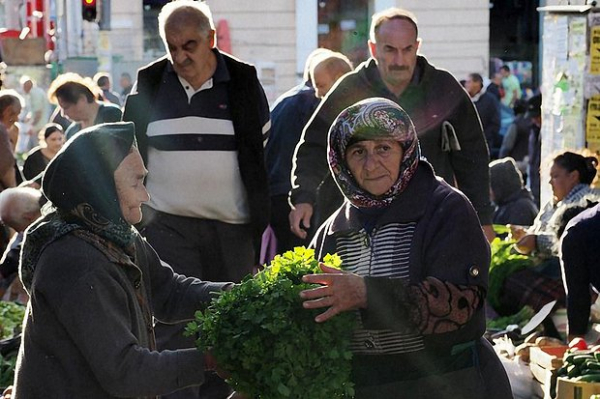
520,318
271,345
7,369
11,318
505,261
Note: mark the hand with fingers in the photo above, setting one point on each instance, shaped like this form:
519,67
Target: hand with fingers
340,291
299,219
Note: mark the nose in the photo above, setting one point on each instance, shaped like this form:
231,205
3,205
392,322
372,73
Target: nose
370,162
178,57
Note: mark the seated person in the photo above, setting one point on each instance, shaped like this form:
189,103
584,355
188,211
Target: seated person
514,202
570,177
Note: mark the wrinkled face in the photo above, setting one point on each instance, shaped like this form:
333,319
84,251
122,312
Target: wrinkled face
78,111
375,164
395,52
55,141
189,49
129,181
322,81
562,181
11,115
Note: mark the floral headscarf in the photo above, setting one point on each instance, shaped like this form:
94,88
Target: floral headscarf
372,119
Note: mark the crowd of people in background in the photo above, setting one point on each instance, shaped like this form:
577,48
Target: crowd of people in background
227,176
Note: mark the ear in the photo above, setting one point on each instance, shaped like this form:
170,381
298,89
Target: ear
372,48
212,38
418,45
575,177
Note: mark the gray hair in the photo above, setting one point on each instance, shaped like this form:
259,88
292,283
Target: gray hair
9,98
186,12
390,14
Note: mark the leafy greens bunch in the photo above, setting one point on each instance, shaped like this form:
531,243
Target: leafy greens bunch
271,346
505,261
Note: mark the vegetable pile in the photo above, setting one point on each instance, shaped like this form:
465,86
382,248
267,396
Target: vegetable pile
505,261
11,319
271,346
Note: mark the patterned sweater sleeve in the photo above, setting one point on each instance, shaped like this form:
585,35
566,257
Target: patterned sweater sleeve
430,307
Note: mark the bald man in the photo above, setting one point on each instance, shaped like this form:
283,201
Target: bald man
19,207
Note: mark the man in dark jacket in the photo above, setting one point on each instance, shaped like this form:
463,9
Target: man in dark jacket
449,131
201,118
488,109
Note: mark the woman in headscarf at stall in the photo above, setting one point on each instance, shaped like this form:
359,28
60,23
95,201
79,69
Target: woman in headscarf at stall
95,284
415,266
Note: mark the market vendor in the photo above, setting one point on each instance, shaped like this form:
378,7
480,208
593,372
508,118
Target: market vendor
415,263
95,284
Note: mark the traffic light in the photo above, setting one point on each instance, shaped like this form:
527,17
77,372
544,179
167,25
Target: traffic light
89,11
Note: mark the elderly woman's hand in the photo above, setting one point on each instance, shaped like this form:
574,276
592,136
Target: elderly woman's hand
340,291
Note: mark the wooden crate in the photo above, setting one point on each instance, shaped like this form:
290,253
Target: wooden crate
548,357
569,389
544,362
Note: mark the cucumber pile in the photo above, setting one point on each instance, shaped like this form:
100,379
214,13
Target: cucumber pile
581,366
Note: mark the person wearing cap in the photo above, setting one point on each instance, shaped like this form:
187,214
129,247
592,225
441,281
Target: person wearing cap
415,266
96,285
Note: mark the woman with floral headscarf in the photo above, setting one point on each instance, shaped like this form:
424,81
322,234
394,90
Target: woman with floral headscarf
415,263
96,286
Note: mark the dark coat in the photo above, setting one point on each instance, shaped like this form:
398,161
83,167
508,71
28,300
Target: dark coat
580,252
447,244
89,333
434,100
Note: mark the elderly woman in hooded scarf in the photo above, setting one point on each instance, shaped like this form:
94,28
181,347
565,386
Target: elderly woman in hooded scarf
415,266
95,284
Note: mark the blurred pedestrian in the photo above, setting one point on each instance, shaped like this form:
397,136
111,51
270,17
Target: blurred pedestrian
78,102
126,85
488,109
37,111
511,86
102,80
39,157
514,202
289,115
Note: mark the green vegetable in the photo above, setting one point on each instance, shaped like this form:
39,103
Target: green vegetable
11,318
272,347
505,261
7,369
520,318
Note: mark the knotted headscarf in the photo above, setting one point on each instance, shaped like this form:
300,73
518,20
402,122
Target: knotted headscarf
372,119
80,186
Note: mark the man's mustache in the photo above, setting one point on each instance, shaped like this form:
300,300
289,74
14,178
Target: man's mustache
399,68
